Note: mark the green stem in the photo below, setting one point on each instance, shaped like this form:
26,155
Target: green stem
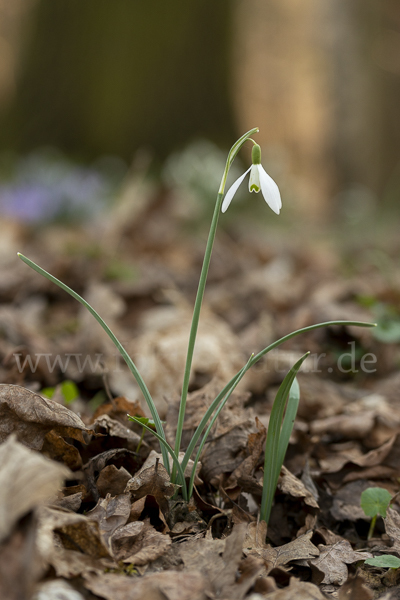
141,440
200,291
195,321
371,527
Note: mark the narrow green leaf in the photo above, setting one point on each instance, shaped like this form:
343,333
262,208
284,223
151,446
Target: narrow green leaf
272,466
288,421
117,343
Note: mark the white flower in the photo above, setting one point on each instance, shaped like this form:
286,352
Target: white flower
259,180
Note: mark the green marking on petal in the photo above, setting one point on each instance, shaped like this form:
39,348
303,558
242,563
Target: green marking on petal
254,188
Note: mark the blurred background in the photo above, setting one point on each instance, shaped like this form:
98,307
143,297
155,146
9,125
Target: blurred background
93,92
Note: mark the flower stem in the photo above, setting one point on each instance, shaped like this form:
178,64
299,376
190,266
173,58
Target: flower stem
195,322
371,527
200,291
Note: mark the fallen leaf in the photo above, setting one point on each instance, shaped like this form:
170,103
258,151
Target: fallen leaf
330,567
168,585
56,589
31,417
289,484
71,543
346,502
392,526
27,480
297,590
110,513
152,481
163,347
97,463
346,426
254,448
109,426
299,549
119,408
112,481
56,448
139,543
355,589
20,565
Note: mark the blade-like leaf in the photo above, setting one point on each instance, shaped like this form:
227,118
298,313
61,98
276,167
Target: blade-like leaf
117,343
272,456
288,421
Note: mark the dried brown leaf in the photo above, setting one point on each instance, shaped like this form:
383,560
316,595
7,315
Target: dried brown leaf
119,408
69,542
56,589
289,484
27,479
20,565
227,451
111,513
245,469
297,590
112,427
139,543
345,425
56,448
168,585
330,567
112,481
355,589
299,549
392,526
152,481
31,417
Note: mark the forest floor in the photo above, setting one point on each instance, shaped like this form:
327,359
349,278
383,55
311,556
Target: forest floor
88,512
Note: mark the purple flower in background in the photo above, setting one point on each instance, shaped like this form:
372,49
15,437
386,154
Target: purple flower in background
46,188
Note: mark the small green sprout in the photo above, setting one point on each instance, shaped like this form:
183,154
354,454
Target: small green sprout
69,391
374,502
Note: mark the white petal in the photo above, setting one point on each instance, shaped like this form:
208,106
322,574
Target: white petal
270,190
254,181
232,191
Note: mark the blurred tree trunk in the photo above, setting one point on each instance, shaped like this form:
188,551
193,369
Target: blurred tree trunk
107,77
13,21
306,72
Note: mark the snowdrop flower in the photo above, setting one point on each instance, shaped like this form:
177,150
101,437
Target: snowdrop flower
259,180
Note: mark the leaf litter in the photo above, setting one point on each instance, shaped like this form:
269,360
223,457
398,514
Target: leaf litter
86,506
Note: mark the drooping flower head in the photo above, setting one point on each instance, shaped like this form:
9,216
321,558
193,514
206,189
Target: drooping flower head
259,180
